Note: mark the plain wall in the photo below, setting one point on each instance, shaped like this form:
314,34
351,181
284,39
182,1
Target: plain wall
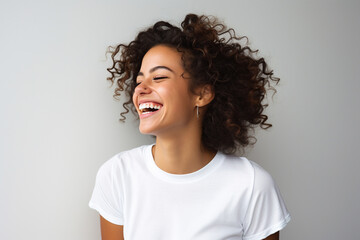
59,122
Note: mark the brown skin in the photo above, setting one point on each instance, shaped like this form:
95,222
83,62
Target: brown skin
110,231
275,236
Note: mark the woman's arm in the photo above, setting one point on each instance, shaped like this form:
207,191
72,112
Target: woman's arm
110,231
275,236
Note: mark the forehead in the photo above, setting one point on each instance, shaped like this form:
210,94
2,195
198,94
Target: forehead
161,55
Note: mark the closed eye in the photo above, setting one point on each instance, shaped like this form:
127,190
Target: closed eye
159,78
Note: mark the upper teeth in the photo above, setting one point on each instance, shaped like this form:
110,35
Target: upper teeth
149,105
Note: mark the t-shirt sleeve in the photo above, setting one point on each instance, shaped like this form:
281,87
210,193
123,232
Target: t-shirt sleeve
107,194
266,213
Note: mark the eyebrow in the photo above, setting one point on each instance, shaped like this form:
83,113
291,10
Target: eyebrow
156,68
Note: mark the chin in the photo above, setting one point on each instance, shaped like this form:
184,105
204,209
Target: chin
146,130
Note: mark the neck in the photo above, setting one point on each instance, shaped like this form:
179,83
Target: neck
181,154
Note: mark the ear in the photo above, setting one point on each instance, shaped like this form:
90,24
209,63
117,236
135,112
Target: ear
205,95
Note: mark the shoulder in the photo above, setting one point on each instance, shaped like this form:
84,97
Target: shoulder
264,188
255,176
245,167
122,160
262,179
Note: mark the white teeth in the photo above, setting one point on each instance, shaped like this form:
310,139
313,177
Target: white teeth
149,105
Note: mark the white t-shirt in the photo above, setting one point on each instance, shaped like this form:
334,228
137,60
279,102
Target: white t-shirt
229,198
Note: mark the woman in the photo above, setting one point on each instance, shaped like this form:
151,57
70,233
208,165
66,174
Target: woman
199,92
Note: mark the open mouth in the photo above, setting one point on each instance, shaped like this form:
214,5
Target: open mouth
149,107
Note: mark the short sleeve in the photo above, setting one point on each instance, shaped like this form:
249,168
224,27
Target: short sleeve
266,213
107,194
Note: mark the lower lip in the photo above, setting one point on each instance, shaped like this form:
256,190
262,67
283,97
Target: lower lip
146,115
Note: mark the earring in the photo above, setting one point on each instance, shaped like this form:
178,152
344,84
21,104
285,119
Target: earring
197,112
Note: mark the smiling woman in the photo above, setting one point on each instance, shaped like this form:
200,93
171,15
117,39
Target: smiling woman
199,92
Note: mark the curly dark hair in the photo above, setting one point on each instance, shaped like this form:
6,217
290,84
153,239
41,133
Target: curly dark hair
211,54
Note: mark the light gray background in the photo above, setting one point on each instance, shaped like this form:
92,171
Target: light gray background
59,122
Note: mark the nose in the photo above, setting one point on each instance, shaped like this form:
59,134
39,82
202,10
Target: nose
142,89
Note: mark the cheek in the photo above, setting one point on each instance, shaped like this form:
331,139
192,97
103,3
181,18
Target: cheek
173,91
179,104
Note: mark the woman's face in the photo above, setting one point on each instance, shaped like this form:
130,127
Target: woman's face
162,97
